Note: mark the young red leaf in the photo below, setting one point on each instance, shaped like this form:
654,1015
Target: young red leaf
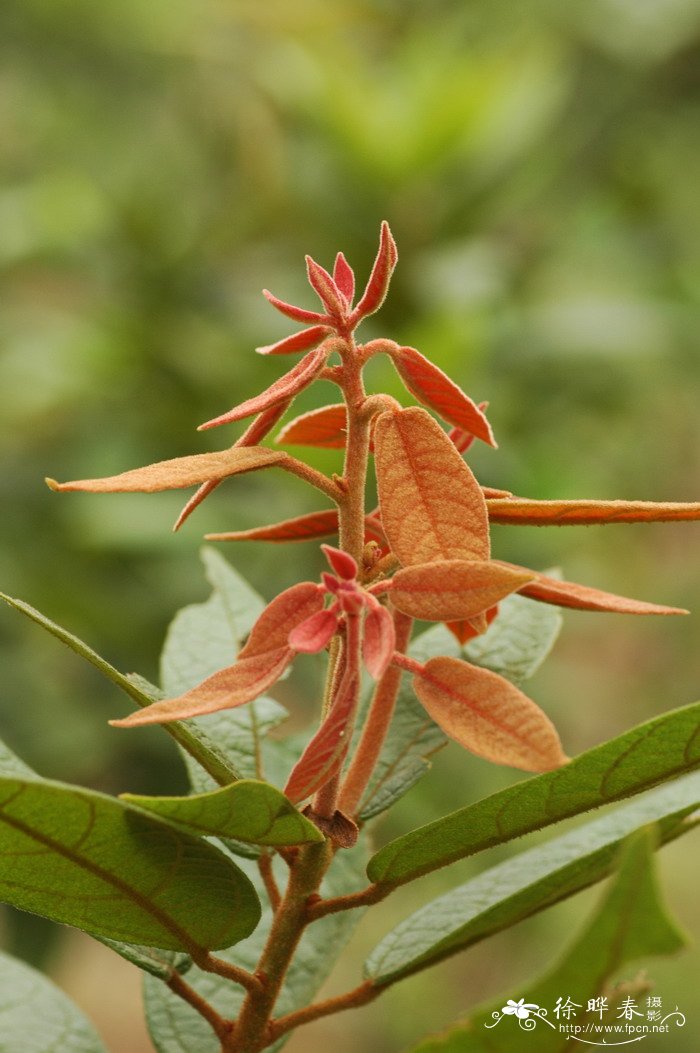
301,528
301,341
526,512
341,562
569,594
179,472
488,715
344,277
454,589
312,635
230,687
468,628
427,383
464,439
281,615
326,289
253,434
298,314
378,285
284,389
325,427
324,755
379,641
432,507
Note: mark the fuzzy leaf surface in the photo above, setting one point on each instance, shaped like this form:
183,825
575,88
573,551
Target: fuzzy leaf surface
582,597
325,427
518,640
630,923
248,810
526,512
432,507
289,609
91,861
429,385
179,472
530,882
176,1028
37,1017
449,590
652,752
488,715
300,528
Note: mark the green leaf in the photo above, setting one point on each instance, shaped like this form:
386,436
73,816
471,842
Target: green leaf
531,881
515,645
518,640
152,960
176,1028
91,861
205,637
646,755
143,693
629,924
247,811
37,1017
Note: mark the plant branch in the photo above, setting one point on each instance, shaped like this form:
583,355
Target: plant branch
221,1027
359,996
268,878
312,476
211,964
366,898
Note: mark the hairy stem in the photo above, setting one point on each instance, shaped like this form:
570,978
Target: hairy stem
222,1027
359,996
376,725
365,898
268,878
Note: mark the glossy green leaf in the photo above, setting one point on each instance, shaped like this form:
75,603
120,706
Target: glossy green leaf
518,639
176,1028
630,923
36,1017
91,861
246,811
196,745
205,637
646,755
531,881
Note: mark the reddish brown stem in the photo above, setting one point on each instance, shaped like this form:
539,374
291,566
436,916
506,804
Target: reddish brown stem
365,898
211,964
359,996
409,664
221,1027
268,877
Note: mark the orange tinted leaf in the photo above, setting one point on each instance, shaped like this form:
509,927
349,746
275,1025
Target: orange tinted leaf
378,284
326,289
466,629
488,715
282,390
301,341
179,472
324,755
379,641
454,589
433,388
312,635
298,314
301,528
569,594
281,615
344,277
432,507
230,687
324,427
527,512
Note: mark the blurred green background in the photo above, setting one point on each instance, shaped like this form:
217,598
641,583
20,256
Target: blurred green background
161,163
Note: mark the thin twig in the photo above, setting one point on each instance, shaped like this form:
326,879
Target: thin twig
268,877
221,1026
211,964
372,894
359,996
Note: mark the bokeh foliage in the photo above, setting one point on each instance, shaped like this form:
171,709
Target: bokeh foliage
162,162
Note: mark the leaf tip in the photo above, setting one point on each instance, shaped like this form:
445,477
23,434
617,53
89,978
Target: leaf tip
52,484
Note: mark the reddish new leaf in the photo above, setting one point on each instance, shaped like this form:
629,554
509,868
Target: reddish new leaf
326,289
230,687
378,284
344,277
301,341
526,512
281,615
488,715
468,628
427,383
342,563
324,427
298,314
301,528
569,594
454,589
432,507
379,641
324,755
284,389
312,635
180,471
